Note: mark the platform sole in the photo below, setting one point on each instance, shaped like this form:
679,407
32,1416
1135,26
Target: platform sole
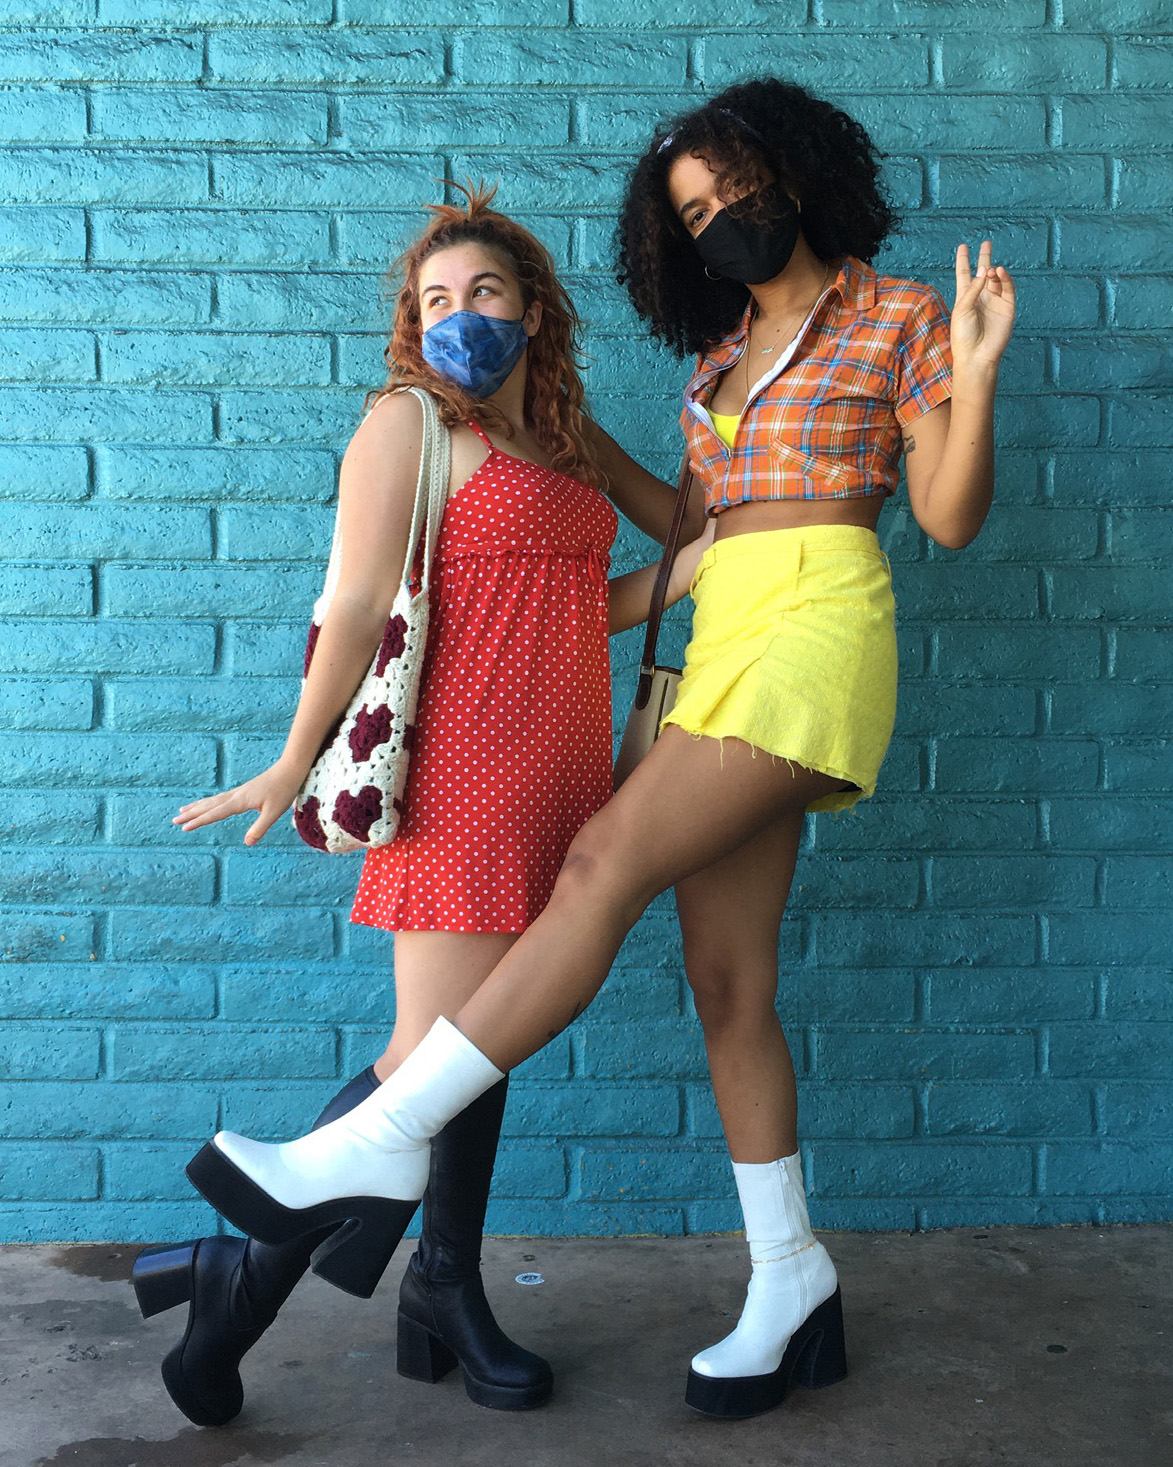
815,1356
366,1230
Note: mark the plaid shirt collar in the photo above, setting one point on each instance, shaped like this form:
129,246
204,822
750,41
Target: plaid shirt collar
854,284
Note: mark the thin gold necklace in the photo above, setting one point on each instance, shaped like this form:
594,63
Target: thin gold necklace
770,350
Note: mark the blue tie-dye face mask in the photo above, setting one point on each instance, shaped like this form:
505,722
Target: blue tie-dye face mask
477,352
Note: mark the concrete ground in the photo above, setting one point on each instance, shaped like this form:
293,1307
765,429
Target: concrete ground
1026,1347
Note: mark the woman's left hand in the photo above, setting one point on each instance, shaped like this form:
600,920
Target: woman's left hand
983,312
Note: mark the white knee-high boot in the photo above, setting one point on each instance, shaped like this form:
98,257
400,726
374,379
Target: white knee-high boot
366,1171
791,1323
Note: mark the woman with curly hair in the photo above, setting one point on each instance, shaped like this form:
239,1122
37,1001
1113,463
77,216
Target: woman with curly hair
745,237
512,753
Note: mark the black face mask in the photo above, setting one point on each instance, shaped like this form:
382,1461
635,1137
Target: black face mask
742,249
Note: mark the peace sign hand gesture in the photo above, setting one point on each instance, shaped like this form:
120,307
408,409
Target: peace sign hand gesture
983,312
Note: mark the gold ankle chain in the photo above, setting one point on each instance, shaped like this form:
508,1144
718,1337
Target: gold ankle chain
785,1256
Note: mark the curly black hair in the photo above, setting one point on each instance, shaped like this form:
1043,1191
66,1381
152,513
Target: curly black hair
817,153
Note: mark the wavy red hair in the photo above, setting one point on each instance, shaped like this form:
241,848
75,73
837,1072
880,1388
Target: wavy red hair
554,394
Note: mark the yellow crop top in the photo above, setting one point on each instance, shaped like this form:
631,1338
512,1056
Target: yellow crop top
725,426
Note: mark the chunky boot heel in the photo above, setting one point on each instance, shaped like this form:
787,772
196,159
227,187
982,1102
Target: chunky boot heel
162,1277
420,1355
823,1359
354,1256
792,1324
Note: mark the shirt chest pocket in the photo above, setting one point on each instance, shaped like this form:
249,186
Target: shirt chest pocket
840,436
820,474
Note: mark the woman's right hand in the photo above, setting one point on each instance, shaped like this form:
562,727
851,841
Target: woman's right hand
270,794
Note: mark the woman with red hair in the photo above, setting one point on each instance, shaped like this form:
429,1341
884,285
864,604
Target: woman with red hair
512,753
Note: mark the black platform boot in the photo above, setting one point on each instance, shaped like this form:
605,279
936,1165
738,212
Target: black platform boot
444,1317
235,1287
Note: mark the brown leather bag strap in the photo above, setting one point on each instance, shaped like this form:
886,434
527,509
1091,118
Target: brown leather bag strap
660,589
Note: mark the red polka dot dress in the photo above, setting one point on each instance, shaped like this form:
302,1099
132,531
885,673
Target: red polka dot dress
512,752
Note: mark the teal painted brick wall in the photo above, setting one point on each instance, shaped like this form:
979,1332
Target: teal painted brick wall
198,200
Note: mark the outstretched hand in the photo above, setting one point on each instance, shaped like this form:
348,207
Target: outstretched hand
983,311
270,794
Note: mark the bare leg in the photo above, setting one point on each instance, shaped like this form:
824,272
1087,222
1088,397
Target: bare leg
729,916
436,973
690,803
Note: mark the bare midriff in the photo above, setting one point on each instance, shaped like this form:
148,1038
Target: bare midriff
790,514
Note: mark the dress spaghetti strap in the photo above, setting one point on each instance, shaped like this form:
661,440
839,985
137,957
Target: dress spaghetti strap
481,434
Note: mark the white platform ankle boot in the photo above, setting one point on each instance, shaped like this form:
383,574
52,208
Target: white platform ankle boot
365,1171
792,1323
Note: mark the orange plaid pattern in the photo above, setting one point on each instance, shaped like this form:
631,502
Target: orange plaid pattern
874,357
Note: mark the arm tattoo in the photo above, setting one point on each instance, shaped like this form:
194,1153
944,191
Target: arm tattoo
909,444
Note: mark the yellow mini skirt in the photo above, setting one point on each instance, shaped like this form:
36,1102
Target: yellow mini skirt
793,650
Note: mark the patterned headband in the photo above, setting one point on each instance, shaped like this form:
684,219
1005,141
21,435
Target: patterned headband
725,112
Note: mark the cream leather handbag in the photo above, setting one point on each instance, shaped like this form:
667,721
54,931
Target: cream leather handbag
655,692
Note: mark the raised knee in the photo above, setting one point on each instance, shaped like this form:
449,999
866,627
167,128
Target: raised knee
584,863
606,869
592,874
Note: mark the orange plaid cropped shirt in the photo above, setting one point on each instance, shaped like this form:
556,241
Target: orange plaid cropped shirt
873,357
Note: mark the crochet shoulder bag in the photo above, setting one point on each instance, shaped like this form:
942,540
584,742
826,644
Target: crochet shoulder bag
353,794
